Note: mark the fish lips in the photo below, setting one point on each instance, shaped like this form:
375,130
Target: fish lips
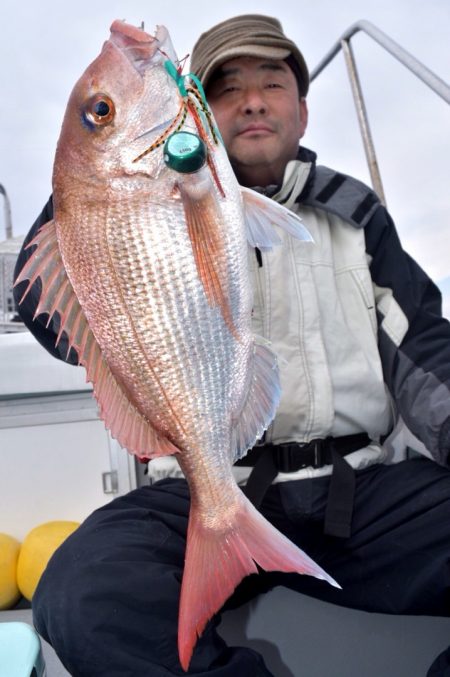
141,48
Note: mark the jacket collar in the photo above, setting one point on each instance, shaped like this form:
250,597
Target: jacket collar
297,180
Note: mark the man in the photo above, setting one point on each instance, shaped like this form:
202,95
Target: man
359,329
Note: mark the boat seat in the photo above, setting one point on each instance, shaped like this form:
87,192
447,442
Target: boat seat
301,636
298,635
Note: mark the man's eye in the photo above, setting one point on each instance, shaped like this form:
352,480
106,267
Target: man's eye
273,85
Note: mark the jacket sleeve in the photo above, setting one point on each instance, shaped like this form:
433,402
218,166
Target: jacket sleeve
414,337
45,335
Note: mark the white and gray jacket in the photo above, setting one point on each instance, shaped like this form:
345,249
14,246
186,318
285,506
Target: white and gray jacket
356,323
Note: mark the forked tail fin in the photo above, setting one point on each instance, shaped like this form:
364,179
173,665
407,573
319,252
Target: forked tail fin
216,562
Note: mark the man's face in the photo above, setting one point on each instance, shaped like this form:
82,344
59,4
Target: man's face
260,116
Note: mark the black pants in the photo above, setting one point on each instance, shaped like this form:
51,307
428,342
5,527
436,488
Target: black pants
108,600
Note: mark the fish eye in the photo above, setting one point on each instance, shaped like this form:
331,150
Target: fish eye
99,110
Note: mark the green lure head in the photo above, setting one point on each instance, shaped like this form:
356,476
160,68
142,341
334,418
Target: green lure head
185,152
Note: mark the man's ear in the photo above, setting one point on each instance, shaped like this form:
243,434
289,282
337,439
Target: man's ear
303,122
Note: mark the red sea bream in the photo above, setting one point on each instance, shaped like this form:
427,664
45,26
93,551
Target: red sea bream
146,263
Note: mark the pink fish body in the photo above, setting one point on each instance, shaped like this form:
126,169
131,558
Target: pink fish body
147,267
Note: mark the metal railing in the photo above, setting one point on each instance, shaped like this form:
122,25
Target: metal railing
9,321
7,212
422,72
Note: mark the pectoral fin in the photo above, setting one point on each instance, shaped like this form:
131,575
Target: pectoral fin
124,421
208,248
262,213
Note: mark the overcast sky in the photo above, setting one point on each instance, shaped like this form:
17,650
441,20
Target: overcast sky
45,47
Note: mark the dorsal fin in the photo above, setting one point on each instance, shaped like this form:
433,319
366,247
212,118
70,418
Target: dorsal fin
120,416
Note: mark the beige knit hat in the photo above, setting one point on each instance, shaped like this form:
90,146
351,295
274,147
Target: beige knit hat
247,35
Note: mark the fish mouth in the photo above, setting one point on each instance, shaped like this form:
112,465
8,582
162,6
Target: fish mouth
141,48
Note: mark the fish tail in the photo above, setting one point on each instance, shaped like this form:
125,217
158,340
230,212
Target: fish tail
216,562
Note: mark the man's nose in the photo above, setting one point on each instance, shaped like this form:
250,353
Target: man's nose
254,102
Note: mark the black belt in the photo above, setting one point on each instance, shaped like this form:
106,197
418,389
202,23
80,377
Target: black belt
270,459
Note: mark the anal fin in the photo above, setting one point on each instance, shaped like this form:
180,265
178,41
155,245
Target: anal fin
259,407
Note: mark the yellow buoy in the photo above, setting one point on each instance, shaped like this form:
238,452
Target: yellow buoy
37,548
9,553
